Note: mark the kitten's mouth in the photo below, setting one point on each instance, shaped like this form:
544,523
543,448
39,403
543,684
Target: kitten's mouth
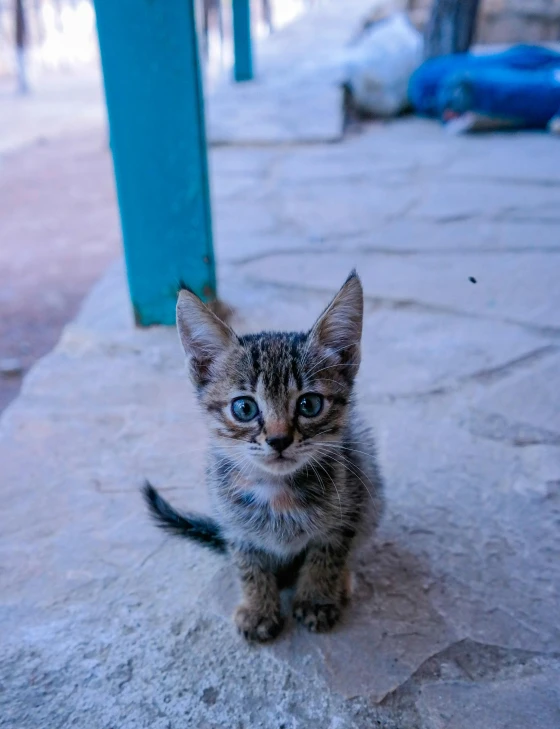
284,460
279,463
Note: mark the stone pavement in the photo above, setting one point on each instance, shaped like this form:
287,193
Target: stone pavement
108,623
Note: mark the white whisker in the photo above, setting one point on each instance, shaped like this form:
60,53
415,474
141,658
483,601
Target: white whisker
335,487
350,466
332,444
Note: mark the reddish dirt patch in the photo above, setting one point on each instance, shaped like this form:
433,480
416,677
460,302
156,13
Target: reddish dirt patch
58,232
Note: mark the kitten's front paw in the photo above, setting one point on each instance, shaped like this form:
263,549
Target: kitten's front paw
255,626
317,617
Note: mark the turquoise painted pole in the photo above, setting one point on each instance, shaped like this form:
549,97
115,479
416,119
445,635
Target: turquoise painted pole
153,90
243,64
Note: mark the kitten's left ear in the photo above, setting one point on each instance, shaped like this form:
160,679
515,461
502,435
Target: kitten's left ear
339,328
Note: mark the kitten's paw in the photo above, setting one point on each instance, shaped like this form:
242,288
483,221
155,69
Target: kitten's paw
317,617
255,626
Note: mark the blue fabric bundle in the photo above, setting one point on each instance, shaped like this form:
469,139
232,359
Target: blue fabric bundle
520,85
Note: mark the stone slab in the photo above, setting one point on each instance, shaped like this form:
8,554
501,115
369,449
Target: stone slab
525,406
532,701
459,236
480,516
258,115
400,187
536,165
406,353
295,97
452,199
507,288
390,631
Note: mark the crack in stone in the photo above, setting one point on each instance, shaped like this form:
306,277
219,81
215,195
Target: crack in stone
470,660
494,426
392,252
380,302
301,141
299,251
404,211
486,377
492,374
517,181
152,553
509,215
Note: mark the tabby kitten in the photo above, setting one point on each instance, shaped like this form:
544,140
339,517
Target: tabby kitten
292,471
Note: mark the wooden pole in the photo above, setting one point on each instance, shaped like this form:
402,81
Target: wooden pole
154,99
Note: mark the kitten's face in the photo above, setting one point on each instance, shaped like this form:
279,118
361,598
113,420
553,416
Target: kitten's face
276,401
268,406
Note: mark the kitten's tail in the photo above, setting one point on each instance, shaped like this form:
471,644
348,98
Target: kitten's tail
199,529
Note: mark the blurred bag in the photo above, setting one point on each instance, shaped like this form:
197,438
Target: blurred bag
517,88
378,67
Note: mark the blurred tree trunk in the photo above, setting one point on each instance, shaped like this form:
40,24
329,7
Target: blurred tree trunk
21,42
211,9
451,27
20,24
267,15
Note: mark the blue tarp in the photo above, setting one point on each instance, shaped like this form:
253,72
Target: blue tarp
521,85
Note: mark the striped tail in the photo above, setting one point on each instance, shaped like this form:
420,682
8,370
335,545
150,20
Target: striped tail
197,528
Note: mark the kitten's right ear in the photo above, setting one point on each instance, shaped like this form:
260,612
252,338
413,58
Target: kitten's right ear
204,337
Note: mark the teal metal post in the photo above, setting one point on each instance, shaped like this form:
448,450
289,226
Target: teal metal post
154,99
243,64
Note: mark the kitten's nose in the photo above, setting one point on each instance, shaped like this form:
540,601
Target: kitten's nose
280,442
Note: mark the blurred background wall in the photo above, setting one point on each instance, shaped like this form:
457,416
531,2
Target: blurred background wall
506,21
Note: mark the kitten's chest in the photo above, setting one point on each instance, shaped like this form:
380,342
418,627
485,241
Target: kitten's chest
274,518
273,497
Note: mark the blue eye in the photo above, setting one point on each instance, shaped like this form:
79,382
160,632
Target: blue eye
244,409
310,405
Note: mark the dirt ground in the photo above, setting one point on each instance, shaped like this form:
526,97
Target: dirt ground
58,232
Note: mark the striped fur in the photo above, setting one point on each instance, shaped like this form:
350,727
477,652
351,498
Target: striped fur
298,511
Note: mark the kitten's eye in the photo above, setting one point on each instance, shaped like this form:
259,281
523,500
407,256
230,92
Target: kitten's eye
244,409
309,405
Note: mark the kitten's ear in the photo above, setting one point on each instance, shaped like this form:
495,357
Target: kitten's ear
339,328
204,337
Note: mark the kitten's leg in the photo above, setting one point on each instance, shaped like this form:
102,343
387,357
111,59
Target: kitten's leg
323,587
258,617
